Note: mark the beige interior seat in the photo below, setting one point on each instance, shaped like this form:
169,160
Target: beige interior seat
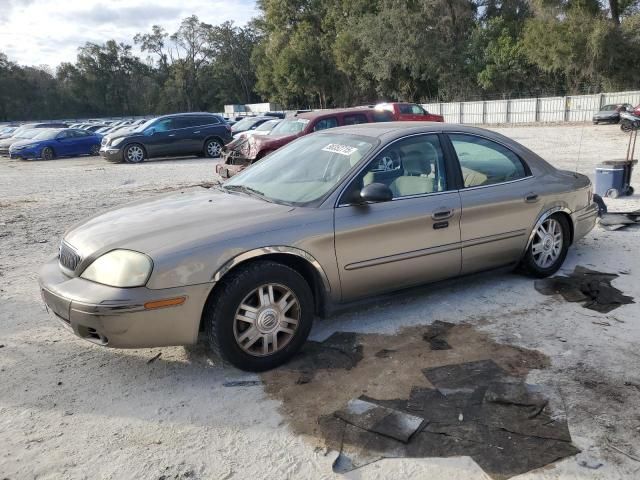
473,178
417,167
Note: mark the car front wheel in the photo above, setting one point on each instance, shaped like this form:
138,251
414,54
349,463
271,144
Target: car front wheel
213,148
260,317
47,153
549,247
133,153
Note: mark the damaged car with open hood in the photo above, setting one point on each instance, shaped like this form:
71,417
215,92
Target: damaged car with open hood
328,219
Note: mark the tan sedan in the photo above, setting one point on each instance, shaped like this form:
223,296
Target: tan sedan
330,218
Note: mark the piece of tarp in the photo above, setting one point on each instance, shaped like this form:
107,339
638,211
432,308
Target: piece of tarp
590,287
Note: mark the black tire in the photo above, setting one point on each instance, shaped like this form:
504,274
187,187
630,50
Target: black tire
94,150
213,148
47,153
222,306
134,153
529,263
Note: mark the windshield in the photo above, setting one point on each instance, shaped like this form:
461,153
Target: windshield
47,135
305,170
28,133
290,127
244,124
266,126
142,127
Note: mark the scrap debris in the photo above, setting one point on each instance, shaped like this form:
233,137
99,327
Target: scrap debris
619,220
372,396
591,288
476,409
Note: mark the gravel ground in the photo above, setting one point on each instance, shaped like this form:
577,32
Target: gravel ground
69,409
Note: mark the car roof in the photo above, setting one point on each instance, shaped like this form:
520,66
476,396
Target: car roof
332,112
386,131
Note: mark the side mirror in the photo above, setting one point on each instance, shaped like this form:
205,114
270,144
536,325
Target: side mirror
375,193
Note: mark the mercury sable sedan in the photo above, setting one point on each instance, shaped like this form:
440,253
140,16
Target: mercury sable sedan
330,218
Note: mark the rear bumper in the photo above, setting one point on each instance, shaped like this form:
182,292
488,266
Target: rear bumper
117,317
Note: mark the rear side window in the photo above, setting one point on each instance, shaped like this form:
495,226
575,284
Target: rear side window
484,162
382,116
355,119
325,123
206,120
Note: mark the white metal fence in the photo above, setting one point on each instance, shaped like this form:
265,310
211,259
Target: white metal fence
573,108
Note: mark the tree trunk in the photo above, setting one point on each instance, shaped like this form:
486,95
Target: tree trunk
615,11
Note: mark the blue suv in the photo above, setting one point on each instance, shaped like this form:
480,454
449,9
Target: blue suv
168,136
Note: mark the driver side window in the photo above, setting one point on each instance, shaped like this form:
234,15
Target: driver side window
412,166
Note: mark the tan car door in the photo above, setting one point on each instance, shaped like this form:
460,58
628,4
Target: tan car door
409,240
499,202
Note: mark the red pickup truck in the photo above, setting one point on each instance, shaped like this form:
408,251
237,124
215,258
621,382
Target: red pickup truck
411,112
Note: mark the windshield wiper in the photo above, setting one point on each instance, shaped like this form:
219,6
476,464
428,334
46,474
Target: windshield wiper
252,192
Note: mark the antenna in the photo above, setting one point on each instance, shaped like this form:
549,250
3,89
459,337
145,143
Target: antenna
580,146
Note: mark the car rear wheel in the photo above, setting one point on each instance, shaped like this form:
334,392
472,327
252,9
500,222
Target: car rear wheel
260,317
94,150
213,148
549,247
47,153
133,153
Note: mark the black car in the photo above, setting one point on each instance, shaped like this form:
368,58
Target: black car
168,136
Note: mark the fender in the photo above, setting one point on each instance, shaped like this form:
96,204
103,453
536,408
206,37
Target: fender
541,220
260,252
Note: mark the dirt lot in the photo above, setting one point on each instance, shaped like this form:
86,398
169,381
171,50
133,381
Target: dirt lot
69,409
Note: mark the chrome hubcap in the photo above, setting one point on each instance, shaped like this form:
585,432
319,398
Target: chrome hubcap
135,154
547,243
213,149
266,320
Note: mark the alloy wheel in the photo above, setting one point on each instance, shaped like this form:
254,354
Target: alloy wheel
47,154
547,243
214,149
266,320
135,154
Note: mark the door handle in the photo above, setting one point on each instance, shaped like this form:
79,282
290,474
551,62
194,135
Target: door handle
531,198
197,131
171,135
442,214
440,225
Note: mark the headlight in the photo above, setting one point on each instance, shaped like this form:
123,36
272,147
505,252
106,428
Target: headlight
120,268
116,142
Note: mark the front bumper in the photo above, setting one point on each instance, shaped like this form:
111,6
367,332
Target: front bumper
24,154
606,118
112,154
232,163
117,317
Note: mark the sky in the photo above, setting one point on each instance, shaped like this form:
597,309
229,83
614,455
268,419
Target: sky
48,32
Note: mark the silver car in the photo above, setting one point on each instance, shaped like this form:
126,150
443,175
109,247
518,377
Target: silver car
328,219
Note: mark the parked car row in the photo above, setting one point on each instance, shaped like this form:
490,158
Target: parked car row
48,141
248,149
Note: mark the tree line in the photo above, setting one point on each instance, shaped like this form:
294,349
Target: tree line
326,53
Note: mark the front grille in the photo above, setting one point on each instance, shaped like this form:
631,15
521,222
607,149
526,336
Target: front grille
68,257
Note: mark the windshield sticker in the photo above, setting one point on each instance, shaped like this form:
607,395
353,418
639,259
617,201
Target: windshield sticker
341,149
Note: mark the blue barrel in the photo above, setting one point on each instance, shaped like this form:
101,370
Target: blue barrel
613,178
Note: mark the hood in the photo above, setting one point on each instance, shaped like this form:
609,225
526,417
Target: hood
266,140
173,222
26,141
7,142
